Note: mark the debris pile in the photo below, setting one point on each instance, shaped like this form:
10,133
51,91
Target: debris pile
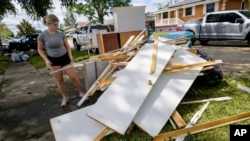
142,85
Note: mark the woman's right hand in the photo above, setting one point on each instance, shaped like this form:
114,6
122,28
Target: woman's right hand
48,64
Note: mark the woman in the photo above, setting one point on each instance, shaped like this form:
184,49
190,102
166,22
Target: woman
58,55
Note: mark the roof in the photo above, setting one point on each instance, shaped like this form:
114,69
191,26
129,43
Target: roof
149,16
81,24
185,2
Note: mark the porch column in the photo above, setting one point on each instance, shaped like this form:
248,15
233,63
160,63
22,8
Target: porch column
168,17
176,16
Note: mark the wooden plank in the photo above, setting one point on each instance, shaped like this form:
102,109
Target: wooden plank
118,105
102,134
154,56
166,94
208,100
76,126
200,64
202,127
179,121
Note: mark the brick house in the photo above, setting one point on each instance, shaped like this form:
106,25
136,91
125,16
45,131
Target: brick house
168,19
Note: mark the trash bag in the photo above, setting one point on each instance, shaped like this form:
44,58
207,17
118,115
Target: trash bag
25,57
209,77
15,57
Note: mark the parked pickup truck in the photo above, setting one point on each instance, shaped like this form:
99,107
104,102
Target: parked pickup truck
223,25
87,36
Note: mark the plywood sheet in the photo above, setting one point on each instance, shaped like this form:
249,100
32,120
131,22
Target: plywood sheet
75,126
118,105
166,94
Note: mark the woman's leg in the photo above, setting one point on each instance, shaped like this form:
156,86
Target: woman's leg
59,81
71,72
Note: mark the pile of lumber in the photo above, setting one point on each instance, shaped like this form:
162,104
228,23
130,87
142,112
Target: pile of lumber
142,86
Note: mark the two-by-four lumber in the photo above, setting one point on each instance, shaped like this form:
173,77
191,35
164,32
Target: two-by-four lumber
137,38
179,121
180,68
202,127
154,56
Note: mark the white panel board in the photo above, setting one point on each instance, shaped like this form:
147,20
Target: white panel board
118,105
167,94
92,71
75,126
131,18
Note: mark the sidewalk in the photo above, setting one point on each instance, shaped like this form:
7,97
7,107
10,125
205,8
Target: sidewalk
28,99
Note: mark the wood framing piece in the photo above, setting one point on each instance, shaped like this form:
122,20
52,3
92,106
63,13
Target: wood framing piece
137,37
202,127
128,42
154,56
201,64
207,100
178,120
118,105
76,126
166,94
102,134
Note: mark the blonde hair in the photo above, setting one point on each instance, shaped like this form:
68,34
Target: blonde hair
50,18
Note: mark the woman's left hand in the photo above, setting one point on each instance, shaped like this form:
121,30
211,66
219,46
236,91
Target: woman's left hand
71,59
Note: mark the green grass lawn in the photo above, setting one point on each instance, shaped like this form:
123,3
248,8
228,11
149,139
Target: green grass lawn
216,110
38,62
4,62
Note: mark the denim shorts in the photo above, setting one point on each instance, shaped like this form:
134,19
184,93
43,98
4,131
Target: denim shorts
60,61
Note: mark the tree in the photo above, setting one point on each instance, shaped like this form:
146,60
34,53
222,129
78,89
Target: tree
69,19
4,30
6,7
34,8
95,10
25,28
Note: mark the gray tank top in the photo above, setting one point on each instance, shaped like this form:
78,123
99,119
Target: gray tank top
53,43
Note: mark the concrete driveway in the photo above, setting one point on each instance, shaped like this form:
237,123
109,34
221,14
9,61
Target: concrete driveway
234,54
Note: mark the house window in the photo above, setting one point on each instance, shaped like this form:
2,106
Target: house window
165,15
188,11
210,7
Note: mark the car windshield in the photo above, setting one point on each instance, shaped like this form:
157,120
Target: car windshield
245,13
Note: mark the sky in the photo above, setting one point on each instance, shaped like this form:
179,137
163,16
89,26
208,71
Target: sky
11,21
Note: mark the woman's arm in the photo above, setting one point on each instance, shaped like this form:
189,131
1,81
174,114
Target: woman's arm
66,44
40,50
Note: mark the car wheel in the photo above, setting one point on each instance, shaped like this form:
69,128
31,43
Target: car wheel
95,50
204,42
248,42
76,46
